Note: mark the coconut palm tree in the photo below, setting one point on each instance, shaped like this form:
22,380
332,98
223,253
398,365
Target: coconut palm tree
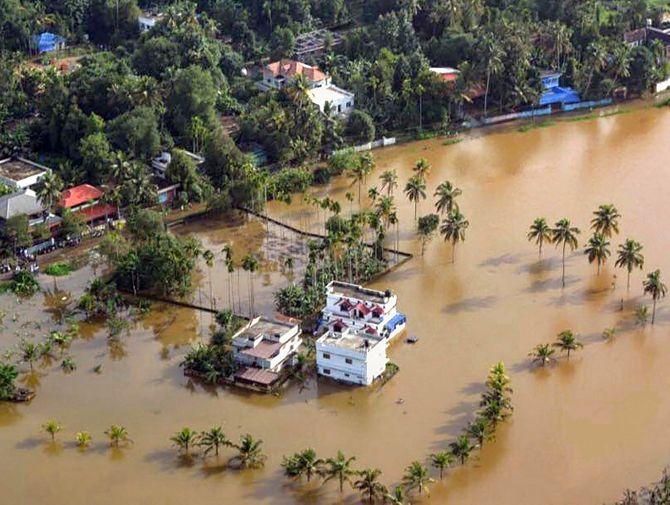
629,255
453,228
416,478
52,427
597,249
446,195
250,265
373,194
479,430
397,497
606,220
567,342
367,484
441,461
208,256
389,179
49,190
185,439
565,235
542,354
422,168
117,435
30,352
540,233
461,448
415,190
426,229
250,454
301,464
654,286
82,439
339,468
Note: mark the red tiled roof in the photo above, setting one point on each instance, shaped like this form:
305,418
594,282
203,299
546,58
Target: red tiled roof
362,308
291,68
263,350
78,195
370,330
97,211
256,375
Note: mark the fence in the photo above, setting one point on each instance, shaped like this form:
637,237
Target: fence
663,86
383,142
587,105
544,111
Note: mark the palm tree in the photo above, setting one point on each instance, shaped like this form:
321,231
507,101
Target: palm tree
654,286
566,235
461,448
479,430
250,264
250,454
302,463
339,468
368,486
494,55
416,478
415,189
542,354
629,255
453,228
52,427
606,220
208,256
49,190
117,434
446,195
30,352
567,342
422,168
389,180
184,439
441,461
83,439
540,233
213,439
395,498
597,249
373,194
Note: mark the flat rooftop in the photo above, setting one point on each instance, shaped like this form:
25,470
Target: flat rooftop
329,93
18,169
354,341
265,327
359,292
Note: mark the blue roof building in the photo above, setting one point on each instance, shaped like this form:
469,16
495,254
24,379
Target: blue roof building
553,93
47,42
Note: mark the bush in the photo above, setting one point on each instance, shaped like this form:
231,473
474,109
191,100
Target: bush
59,269
291,180
322,175
360,127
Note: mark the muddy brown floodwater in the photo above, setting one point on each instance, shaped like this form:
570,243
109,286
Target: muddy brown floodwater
581,431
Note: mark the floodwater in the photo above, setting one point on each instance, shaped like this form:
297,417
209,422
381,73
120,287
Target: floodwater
581,432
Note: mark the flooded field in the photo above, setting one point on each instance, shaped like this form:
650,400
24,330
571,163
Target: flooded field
581,432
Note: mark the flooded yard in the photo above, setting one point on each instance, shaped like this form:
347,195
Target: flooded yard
581,431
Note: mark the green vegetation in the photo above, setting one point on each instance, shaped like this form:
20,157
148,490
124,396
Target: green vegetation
535,125
8,375
60,269
657,493
22,283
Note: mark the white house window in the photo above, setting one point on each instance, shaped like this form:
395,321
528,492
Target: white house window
348,361
326,371
326,355
348,104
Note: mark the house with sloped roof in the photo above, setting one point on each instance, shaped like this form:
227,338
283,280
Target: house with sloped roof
85,200
282,73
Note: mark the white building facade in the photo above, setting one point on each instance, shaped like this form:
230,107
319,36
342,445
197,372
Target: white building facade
266,344
341,101
359,324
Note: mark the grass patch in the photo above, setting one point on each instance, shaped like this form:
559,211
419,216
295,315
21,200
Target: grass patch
451,142
532,126
60,269
426,135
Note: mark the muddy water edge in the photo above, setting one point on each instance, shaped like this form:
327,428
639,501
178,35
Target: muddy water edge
581,430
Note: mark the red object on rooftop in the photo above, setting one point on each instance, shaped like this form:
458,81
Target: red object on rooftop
78,195
362,308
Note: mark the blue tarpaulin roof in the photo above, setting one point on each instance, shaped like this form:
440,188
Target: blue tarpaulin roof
395,321
46,41
559,95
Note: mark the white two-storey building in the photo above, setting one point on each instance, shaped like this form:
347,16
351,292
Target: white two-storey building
359,324
263,348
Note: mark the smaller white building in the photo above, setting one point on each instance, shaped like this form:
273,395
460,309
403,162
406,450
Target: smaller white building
160,163
148,19
351,356
21,174
341,101
266,344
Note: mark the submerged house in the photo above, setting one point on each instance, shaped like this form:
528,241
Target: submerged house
262,349
86,200
555,95
359,325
